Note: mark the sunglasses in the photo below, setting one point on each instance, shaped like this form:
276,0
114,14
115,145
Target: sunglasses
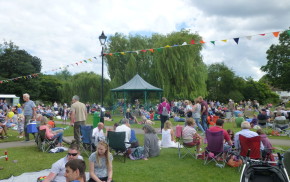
73,154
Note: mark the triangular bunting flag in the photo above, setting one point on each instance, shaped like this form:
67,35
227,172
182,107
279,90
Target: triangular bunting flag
192,42
123,53
159,49
143,50
276,34
224,40
202,42
249,37
85,61
81,62
184,43
263,34
116,53
175,45
137,52
213,42
288,32
151,50
237,40
90,59
167,46
77,63
111,54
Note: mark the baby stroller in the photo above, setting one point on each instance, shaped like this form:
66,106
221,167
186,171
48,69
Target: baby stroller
263,171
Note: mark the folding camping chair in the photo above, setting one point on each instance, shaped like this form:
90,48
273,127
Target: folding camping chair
43,143
215,148
253,144
117,145
183,147
87,142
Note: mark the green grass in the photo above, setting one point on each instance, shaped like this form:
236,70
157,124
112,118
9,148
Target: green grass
166,167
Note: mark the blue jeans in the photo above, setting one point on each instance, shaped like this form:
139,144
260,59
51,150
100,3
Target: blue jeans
204,122
198,124
59,137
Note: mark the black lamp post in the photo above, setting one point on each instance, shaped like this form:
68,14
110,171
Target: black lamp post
102,39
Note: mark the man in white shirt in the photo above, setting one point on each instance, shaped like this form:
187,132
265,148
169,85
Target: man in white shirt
124,127
246,132
58,168
98,133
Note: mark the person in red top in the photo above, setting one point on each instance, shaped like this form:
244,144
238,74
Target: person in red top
164,111
219,127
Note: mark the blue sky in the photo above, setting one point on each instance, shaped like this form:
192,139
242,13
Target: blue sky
61,32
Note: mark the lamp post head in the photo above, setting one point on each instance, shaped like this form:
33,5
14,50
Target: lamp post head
102,38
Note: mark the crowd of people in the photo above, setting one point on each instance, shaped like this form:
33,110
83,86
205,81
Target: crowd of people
196,115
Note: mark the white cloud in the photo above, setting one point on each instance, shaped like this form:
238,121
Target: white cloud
61,32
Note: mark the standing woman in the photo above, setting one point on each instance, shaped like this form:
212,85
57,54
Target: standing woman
196,114
101,167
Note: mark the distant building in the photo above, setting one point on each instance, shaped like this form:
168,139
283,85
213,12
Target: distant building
12,100
283,95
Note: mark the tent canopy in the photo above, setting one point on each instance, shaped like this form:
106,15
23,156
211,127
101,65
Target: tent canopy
136,84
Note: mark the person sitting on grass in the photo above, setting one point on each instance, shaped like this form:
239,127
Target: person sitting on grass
265,141
168,139
108,116
58,168
190,136
239,120
151,144
75,171
1,133
156,116
231,134
132,119
101,167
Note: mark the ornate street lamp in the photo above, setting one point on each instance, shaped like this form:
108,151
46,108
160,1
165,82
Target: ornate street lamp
102,39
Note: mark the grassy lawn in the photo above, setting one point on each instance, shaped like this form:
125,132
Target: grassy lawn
166,167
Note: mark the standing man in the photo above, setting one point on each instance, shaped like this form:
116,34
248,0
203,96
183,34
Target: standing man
29,113
163,110
78,117
204,113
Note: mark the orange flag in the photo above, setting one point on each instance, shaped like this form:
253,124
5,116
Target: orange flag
151,50
276,34
202,42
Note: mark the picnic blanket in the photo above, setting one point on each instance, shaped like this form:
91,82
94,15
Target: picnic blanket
30,177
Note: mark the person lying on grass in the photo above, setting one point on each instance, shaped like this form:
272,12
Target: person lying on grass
58,168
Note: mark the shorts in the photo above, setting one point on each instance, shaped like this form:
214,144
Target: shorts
195,141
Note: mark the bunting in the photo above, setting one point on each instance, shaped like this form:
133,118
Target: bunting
34,75
193,42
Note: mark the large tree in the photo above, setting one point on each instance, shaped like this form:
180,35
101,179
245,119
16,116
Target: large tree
180,71
278,65
15,63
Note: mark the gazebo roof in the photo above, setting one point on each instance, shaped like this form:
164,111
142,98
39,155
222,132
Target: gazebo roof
137,84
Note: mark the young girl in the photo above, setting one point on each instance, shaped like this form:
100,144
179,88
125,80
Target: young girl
101,168
168,136
20,125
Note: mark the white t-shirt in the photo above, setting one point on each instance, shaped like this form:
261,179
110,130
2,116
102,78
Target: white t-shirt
58,168
98,134
125,128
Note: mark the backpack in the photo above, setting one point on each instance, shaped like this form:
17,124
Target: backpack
164,111
138,153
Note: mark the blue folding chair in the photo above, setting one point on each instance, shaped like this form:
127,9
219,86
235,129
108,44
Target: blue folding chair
87,142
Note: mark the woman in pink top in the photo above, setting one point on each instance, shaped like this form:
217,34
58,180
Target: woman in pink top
51,134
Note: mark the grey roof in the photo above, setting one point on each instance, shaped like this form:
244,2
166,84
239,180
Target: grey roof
135,84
